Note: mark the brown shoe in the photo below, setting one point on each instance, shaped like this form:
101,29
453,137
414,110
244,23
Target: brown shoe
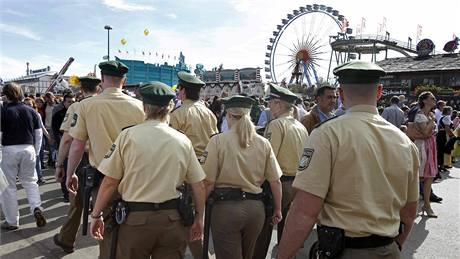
39,217
66,248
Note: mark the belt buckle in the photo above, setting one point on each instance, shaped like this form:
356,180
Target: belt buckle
243,195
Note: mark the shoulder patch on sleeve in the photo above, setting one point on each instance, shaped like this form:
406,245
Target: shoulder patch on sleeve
74,120
112,149
306,158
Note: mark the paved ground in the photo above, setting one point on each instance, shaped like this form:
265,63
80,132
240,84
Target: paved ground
431,238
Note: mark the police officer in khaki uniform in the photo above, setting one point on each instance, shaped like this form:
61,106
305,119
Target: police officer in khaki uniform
99,120
197,122
193,118
358,174
287,137
146,165
66,237
236,164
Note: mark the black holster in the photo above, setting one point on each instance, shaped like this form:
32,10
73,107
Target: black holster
186,207
207,225
268,199
91,179
331,242
120,213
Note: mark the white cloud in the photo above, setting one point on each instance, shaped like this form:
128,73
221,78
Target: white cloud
129,7
87,46
13,12
171,15
10,67
18,30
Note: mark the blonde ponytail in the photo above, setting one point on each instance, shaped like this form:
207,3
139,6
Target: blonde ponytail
243,125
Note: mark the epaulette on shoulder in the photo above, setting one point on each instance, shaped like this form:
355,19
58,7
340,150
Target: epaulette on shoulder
127,127
326,121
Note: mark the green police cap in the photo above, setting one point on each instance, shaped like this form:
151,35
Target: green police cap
89,81
156,93
358,72
189,80
278,92
238,101
113,68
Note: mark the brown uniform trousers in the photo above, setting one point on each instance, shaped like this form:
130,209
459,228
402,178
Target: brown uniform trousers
383,252
235,226
68,232
264,239
152,234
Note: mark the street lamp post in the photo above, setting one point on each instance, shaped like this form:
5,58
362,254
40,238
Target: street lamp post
108,28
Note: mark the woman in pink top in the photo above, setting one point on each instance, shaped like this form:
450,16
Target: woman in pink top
426,124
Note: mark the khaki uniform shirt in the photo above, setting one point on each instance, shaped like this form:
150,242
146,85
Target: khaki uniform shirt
364,168
65,126
228,165
151,160
287,137
197,122
101,118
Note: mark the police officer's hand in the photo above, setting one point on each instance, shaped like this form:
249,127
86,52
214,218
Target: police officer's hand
196,231
97,228
277,217
72,184
59,174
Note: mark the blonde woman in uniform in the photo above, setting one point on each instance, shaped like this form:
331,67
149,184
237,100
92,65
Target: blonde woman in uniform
236,164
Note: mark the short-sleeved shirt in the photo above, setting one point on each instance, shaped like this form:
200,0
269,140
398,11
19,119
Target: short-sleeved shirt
151,160
101,118
394,115
227,164
196,121
65,126
287,137
446,121
364,168
19,123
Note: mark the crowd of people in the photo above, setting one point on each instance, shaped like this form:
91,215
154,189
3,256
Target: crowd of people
250,163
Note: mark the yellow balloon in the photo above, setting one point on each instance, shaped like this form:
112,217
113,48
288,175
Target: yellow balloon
146,32
73,80
123,41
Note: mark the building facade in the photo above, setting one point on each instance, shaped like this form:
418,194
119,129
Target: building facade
232,81
38,81
139,71
406,74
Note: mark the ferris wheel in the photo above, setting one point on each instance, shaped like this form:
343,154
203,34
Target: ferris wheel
300,51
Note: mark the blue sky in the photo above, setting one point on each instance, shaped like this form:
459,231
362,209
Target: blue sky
232,32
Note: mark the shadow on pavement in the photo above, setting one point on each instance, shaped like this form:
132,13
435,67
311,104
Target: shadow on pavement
417,237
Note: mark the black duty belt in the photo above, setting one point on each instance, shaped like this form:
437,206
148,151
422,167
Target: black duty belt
367,242
148,206
234,194
287,178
